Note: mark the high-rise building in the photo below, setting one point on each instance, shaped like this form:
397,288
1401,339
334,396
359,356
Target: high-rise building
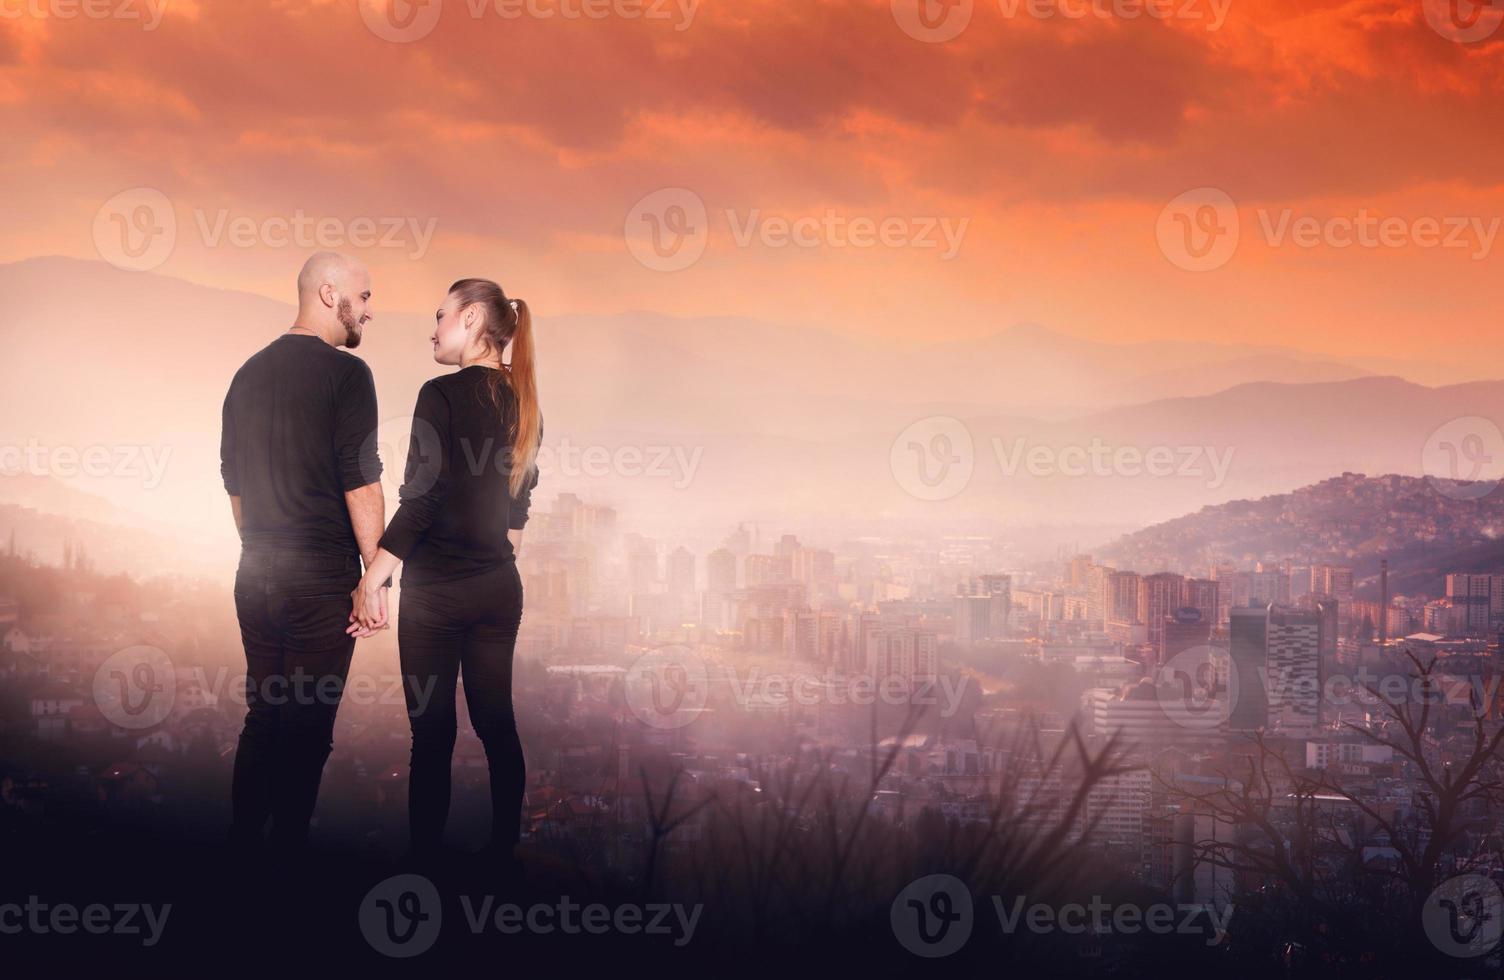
1471,595
814,566
999,591
910,655
1247,667
1159,595
811,634
1269,586
759,570
1293,642
1185,630
1121,600
982,610
720,571
1096,595
1337,582
743,541
1203,594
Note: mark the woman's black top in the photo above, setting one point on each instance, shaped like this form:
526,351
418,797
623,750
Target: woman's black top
457,504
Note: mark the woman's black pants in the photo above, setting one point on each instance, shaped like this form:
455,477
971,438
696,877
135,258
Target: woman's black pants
468,625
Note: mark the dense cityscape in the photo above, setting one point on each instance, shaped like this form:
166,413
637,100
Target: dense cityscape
1275,736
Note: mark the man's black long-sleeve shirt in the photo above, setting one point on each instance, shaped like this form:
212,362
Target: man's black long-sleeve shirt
299,431
457,504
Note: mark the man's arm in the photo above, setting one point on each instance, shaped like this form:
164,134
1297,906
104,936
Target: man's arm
367,506
229,460
360,465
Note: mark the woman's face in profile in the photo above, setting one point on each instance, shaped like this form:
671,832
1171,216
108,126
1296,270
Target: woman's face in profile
450,338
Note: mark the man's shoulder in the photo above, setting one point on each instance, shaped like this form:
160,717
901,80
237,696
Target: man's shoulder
347,363
277,356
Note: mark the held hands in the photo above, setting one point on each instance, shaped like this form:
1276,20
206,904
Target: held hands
369,612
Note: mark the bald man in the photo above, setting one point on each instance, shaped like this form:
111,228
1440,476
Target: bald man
299,461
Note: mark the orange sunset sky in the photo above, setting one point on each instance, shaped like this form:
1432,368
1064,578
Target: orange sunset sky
524,142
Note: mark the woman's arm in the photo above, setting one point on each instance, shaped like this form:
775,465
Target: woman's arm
522,504
425,486
370,613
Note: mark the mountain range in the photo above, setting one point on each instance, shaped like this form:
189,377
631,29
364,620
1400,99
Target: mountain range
1424,528
744,419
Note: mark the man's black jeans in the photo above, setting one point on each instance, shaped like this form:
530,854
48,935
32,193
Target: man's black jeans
293,609
469,625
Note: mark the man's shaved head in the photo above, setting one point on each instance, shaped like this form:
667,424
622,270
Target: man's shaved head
333,292
332,268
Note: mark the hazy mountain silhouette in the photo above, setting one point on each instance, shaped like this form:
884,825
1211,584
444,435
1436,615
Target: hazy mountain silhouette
780,423
1355,520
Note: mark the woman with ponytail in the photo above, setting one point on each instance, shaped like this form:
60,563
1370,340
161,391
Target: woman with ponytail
471,469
